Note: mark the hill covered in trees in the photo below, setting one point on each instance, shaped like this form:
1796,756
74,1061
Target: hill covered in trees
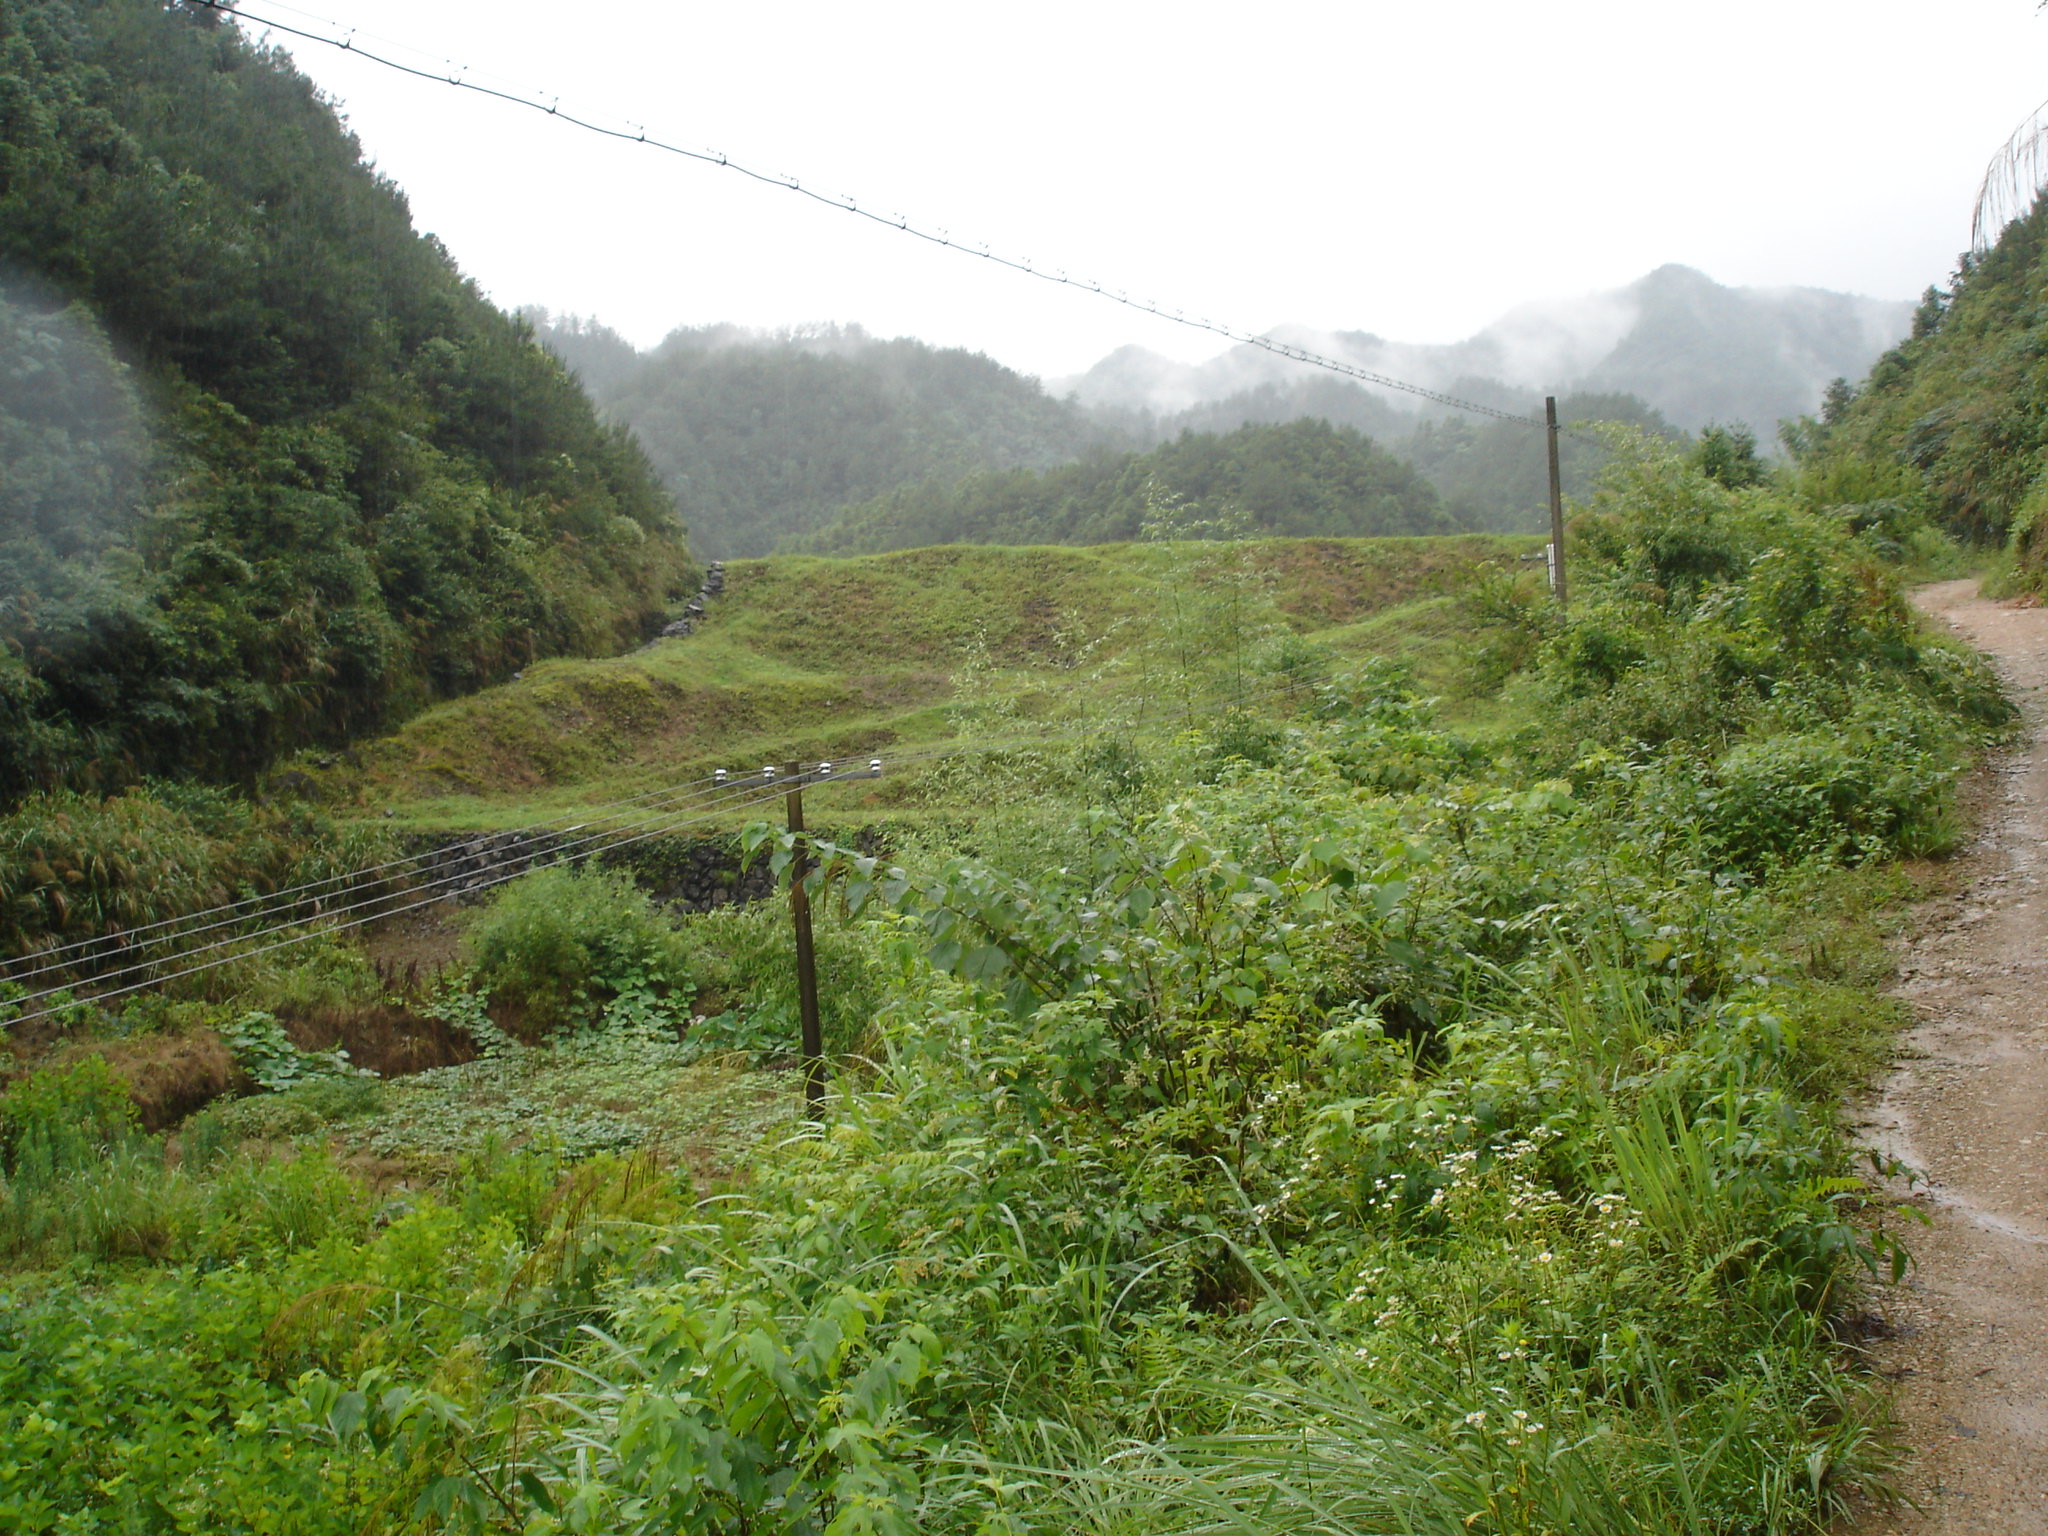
763,437
830,439
1490,474
1952,423
1495,474
1305,478
274,472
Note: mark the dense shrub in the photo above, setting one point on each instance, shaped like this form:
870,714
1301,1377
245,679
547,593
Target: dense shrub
1949,427
1833,794
75,867
562,944
1763,658
744,960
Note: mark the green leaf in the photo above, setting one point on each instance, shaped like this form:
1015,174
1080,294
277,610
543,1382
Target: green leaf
984,961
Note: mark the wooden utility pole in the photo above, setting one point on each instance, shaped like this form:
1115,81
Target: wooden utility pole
806,956
1556,503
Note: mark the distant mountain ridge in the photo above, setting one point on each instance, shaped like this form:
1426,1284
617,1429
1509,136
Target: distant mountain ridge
1695,350
762,436
766,438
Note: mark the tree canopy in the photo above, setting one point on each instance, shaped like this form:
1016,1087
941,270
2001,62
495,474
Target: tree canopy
763,437
1952,423
1296,479
275,471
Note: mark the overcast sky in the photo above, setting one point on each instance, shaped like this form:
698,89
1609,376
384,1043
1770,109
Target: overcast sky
1409,167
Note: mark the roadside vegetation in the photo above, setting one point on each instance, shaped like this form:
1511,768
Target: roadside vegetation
1949,428
1341,1110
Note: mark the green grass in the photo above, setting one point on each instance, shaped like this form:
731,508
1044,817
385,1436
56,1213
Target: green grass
1839,926
588,1094
814,658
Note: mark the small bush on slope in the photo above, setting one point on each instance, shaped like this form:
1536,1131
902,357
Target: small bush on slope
562,944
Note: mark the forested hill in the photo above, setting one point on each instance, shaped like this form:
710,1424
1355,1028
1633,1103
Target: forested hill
271,471
768,440
1491,474
763,437
1299,479
1953,421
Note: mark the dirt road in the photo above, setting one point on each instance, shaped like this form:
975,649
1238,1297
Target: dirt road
1968,1108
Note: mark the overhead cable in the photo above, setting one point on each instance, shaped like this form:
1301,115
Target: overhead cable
345,39
731,794
318,927
270,903
462,880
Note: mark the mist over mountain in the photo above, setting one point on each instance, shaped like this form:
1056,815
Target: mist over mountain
762,436
1690,348
770,439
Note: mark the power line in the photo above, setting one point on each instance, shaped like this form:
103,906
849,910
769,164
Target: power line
345,41
311,932
709,791
461,880
729,796
270,903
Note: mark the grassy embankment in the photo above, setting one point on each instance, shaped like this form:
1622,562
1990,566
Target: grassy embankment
831,659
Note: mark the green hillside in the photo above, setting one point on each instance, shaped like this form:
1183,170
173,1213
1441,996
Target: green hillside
275,472
762,437
826,658
1952,424
1304,479
1218,1032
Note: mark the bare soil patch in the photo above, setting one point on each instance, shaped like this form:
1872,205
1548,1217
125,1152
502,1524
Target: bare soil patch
1965,1336
391,1041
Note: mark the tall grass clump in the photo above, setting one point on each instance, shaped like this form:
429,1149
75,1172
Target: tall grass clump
79,1180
